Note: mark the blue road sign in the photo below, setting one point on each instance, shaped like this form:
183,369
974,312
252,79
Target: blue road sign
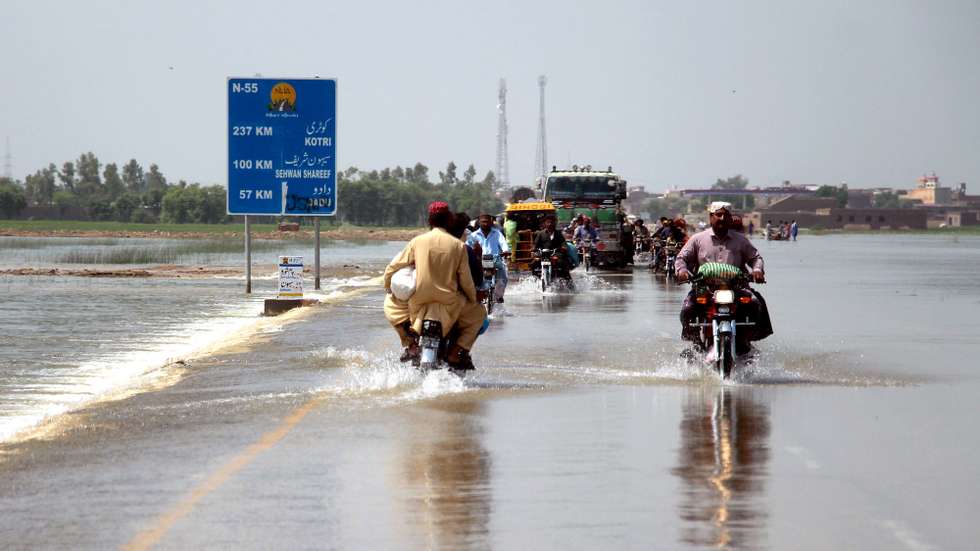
282,146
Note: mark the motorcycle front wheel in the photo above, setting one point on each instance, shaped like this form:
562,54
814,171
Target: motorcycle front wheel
726,361
490,300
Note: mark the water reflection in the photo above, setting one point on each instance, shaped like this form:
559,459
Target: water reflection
557,302
448,474
723,464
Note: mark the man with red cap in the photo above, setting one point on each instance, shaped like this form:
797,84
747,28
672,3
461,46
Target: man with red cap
443,288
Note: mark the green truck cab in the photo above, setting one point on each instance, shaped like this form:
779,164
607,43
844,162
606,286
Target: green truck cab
598,195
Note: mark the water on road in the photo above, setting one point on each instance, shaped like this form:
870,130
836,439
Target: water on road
581,428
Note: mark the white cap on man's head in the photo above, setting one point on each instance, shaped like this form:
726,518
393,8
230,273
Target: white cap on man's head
719,205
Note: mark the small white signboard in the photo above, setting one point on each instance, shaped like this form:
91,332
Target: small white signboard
290,277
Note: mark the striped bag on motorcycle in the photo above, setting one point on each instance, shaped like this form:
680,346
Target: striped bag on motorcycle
719,270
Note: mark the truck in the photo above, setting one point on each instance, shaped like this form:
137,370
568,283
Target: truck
598,195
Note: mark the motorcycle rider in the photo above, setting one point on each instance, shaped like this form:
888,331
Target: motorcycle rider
586,232
669,229
642,235
551,238
444,289
492,241
719,244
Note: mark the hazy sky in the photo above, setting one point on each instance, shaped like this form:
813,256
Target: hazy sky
668,93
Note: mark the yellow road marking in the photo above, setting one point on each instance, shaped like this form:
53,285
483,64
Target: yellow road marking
148,538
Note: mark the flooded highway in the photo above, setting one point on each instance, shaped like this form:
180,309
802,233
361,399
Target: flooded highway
581,428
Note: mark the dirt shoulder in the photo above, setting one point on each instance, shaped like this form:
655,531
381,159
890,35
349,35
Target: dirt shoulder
369,234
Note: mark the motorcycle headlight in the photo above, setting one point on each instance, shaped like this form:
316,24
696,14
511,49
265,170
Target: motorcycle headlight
724,296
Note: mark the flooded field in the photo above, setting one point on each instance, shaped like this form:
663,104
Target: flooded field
166,413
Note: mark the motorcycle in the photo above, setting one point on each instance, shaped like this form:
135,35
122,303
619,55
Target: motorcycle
548,257
490,279
434,349
722,294
642,248
585,253
671,248
657,265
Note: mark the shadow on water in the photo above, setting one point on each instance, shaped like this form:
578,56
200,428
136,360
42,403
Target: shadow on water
723,463
447,471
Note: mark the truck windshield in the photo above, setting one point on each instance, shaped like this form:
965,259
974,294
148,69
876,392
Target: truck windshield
579,186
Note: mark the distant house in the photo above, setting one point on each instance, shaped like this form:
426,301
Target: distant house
928,191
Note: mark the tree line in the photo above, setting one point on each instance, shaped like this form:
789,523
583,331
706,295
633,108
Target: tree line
106,193
399,196
389,197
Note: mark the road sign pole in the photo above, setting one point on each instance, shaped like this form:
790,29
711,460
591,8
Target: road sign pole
248,257
316,254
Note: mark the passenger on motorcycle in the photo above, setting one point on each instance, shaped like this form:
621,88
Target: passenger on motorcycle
551,238
586,232
492,241
444,289
719,244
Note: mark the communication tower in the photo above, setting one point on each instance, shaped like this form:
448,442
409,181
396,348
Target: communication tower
541,158
503,164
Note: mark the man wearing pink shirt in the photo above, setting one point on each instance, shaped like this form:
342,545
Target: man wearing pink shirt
719,244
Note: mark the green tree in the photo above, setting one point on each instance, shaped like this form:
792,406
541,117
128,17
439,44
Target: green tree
64,200
215,205
839,193
448,178
88,186
670,206
490,179
470,175
12,198
125,205
886,200
133,177
114,186
418,174
67,176
155,180
737,182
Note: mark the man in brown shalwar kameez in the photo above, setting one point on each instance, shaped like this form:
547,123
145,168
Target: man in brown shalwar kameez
443,289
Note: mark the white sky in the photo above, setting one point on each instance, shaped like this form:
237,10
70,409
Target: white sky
668,93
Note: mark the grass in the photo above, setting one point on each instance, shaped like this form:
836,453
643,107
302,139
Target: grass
120,255
171,254
33,243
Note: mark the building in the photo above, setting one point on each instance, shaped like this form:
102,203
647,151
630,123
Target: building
928,191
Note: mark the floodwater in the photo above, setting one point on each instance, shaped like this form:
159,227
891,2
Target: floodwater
581,428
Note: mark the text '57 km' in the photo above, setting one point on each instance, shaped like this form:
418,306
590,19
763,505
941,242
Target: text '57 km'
259,193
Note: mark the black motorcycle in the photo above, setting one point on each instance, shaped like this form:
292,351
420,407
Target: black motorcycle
724,302
435,348
490,279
